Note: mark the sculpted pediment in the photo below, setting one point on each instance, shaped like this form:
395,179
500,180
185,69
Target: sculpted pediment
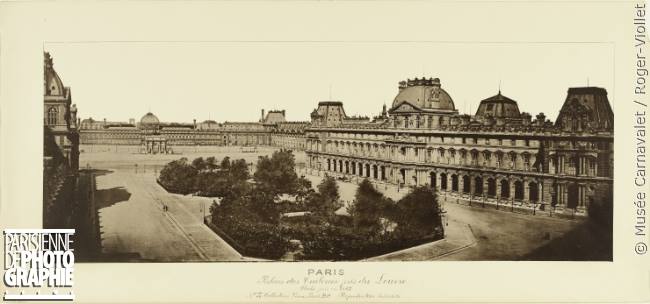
404,107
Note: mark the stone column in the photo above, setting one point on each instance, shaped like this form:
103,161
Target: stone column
526,192
471,185
485,186
561,193
498,188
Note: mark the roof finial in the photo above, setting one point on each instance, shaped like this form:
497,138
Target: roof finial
499,86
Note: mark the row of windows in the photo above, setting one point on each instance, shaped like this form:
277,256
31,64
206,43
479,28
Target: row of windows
441,139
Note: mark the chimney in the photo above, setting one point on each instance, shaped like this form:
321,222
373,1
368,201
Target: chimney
194,123
262,118
402,85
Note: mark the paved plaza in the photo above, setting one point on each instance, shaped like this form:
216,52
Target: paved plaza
132,222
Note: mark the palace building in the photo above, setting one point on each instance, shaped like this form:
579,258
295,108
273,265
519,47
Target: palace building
60,149
153,136
60,117
500,155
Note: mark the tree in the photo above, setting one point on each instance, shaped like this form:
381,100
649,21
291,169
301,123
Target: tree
238,171
276,174
178,176
263,204
225,163
304,189
418,211
199,164
368,207
203,181
329,189
211,163
327,200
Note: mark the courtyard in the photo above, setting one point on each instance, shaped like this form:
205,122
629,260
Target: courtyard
134,225
140,221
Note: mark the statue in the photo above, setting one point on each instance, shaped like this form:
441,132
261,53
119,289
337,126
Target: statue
73,113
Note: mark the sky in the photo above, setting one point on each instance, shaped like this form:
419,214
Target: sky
233,81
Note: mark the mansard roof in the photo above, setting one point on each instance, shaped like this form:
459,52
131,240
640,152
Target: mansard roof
498,106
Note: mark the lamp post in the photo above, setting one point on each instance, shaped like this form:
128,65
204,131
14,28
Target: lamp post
203,209
534,205
471,197
442,214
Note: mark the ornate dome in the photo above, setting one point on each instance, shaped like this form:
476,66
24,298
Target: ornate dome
52,82
498,106
149,121
425,94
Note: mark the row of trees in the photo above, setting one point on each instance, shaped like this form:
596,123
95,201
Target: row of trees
205,177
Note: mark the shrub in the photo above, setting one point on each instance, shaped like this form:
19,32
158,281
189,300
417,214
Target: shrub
251,234
276,174
368,207
178,176
326,201
418,212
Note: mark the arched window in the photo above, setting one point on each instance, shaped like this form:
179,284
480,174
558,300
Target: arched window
533,195
443,181
466,184
454,183
505,188
492,187
52,116
519,190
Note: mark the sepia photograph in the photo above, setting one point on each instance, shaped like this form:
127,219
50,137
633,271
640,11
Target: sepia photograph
332,151
224,151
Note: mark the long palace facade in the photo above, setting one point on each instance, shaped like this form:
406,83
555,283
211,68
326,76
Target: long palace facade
153,136
499,155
